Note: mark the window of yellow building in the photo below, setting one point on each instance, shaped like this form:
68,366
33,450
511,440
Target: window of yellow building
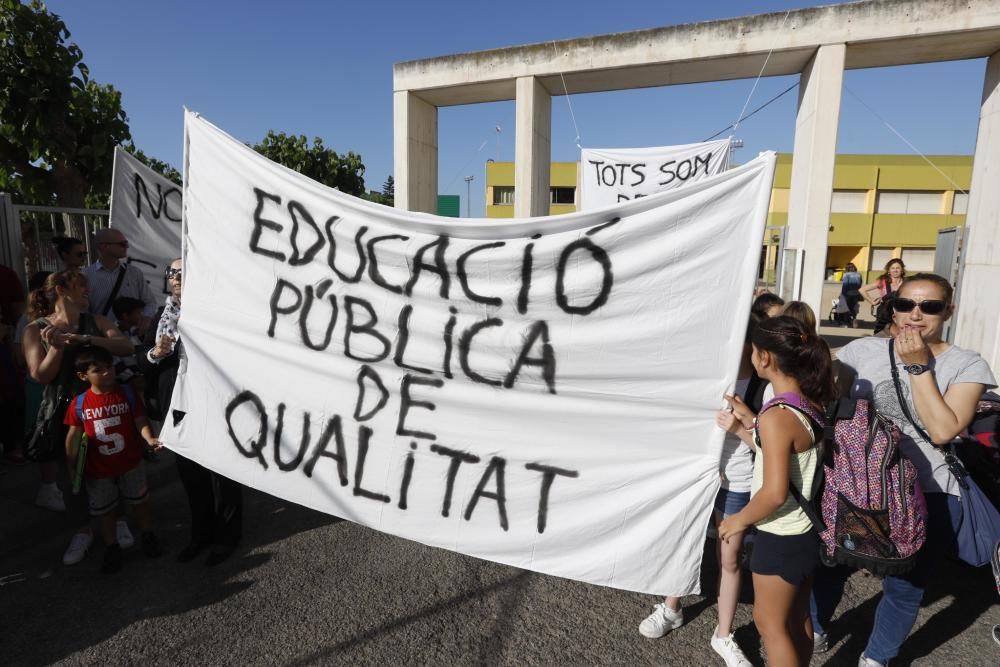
562,195
849,201
503,195
961,204
880,256
909,202
918,259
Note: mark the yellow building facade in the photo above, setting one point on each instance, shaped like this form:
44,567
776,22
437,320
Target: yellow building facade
500,189
884,206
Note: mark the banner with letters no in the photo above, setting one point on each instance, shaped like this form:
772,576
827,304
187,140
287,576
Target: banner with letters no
146,208
538,392
610,176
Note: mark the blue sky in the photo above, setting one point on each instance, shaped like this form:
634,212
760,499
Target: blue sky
325,69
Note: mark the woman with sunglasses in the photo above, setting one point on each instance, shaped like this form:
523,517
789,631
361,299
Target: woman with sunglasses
72,253
216,502
941,384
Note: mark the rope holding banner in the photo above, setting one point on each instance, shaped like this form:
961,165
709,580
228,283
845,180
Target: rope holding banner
569,103
759,74
904,140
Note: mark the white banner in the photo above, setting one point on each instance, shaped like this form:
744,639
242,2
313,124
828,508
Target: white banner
538,392
146,208
609,176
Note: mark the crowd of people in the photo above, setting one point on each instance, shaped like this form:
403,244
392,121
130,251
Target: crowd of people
89,364
100,357
785,381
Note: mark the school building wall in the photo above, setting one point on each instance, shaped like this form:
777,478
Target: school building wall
884,206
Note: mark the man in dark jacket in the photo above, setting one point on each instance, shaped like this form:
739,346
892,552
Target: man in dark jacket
216,502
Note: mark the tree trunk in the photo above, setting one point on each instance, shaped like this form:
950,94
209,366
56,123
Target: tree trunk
69,187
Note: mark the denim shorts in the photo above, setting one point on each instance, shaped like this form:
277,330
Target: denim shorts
728,503
791,557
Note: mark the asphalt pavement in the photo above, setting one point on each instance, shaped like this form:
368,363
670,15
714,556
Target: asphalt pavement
306,588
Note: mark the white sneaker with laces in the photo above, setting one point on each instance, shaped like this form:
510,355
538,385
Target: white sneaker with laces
864,661
729,650
661,621
124,535
820,642
51,498
77,548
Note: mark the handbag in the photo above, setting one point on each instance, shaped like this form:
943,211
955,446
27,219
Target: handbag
979,526
48,437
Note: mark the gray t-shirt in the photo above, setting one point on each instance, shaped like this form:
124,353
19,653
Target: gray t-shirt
869,358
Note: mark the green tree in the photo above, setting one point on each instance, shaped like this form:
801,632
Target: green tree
58,129
164,169
389,191
317,161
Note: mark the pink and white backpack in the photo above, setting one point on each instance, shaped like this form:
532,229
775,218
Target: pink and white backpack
873,511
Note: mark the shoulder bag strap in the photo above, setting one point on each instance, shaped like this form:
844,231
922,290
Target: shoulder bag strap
954,464
114,290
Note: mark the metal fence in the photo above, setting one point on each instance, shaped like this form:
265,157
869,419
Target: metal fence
26,234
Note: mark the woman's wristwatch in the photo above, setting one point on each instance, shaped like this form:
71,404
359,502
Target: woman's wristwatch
916,369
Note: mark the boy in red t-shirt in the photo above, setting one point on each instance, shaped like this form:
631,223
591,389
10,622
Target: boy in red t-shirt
113,418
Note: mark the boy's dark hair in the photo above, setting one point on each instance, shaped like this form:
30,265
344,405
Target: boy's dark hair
124,305
91,355
799,353
765,301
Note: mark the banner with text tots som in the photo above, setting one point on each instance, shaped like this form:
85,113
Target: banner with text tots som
609,176
146,208
538,392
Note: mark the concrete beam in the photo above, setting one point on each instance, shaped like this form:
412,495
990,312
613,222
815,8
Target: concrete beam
415,152
978,315
878,33
532,148
812,167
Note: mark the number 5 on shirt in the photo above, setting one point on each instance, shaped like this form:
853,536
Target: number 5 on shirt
116,440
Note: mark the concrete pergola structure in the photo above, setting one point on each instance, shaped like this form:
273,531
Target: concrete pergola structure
817,43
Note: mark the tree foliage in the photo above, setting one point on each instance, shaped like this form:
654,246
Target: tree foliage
58,128
389,191
164,169
317,161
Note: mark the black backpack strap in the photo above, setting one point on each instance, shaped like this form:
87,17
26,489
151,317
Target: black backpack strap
114,290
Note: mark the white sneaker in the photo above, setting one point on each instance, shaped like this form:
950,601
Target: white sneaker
77,548
820,642
124,535
729,650
51,498
661,621
864,661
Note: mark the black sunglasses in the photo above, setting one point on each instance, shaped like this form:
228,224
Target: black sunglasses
173,272
927,307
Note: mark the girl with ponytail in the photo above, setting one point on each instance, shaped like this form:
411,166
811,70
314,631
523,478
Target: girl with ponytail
797,363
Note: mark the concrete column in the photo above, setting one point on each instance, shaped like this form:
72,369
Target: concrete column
415,152
812,167
978,316
533,148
